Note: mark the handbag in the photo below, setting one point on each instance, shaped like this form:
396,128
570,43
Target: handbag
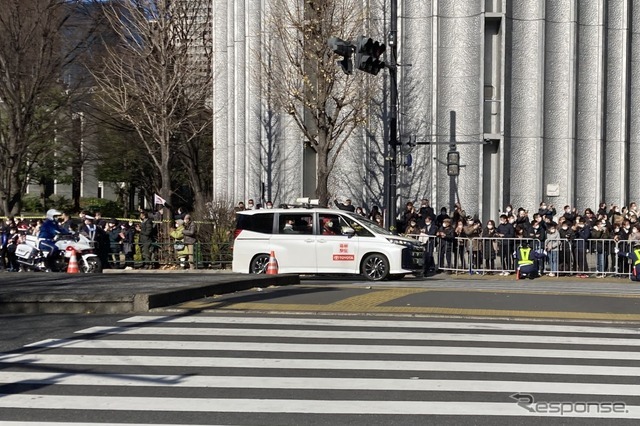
179,245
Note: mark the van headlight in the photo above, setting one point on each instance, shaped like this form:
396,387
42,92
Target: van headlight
400,242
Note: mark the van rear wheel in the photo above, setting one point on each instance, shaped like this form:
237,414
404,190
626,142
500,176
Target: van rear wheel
259,264
375,267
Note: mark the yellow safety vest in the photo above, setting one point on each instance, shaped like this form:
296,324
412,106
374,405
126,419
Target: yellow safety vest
637,252
524,256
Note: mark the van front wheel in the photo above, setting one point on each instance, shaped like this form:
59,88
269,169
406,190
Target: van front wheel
259,264
375,267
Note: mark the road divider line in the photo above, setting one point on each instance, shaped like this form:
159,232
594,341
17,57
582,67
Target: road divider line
374,298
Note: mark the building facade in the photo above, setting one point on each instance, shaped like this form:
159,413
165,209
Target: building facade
539,97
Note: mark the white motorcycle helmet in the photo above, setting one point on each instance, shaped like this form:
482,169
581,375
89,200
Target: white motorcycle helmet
52,214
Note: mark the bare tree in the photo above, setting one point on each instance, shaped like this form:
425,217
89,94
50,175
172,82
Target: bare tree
39,40
157,78
305,81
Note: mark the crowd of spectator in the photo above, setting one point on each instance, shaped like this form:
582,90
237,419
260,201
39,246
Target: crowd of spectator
115,241
566,235
456,240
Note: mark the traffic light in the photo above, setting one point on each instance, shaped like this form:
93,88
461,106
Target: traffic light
344,49
453,163
368,54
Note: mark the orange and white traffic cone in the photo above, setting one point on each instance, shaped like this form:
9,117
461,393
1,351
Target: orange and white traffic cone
73,262
272,266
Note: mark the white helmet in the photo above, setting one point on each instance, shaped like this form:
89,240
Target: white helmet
52,213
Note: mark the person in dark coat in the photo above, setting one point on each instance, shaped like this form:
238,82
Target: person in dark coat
506,232
116,236
146,239
347,206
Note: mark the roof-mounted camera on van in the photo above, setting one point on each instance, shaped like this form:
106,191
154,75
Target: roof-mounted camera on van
307,202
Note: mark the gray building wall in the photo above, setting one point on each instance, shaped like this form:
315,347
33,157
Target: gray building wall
543,92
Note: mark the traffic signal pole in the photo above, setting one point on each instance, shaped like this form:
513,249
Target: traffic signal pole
392,165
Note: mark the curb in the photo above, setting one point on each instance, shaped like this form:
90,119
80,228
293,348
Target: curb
127,299
147,301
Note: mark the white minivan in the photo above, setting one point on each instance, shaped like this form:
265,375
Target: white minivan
321,241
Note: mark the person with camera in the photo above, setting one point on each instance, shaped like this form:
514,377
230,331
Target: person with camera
506,232
189,233
447,239
472,230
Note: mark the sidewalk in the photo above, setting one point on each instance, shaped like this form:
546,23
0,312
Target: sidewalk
117,292
621,285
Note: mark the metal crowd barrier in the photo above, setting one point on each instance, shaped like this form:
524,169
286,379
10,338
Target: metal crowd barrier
164,255
480,255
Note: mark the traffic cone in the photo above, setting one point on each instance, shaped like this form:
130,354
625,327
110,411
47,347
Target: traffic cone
517,273
272,266
73,262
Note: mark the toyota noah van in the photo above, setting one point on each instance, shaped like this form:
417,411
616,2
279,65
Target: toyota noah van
321,241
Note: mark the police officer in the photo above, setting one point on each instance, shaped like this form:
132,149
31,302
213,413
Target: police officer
49,229
634,255
527,261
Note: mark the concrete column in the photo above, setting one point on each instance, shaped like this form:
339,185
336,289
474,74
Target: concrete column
524,87
460,90
220,103
239,91
253,116
559,101
232,158
415,88
616,104
588,156
634,104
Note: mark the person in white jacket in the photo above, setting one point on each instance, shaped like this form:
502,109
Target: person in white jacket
552,246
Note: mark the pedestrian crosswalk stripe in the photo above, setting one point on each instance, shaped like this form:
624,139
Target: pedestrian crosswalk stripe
319,364
322,383
303,406
381,335
494,326
333,348
268,369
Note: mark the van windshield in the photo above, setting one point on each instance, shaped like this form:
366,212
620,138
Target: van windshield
371,225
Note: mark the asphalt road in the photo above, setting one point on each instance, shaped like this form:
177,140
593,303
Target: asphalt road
256,369
494,297
19,330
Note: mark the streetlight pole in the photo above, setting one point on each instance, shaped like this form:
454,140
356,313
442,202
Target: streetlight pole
392,166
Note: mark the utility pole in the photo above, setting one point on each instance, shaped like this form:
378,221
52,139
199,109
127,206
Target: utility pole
391,168
453,190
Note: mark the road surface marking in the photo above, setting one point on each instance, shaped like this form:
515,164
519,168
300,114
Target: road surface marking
304,406
341,334
319,364
331,322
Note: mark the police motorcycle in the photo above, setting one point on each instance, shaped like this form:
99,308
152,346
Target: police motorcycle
32,258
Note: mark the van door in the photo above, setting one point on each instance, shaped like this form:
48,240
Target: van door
336,252
295,242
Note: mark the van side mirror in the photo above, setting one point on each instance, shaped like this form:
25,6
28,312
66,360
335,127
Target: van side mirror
348,231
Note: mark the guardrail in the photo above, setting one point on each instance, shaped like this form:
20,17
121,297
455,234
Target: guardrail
165,255
481,255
